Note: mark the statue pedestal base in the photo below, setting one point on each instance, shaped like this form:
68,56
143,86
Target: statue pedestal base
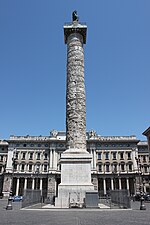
75,178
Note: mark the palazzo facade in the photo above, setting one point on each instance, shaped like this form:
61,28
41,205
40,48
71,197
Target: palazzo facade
32,162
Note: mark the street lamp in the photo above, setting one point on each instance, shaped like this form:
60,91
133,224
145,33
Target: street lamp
9,204
37,172
142,206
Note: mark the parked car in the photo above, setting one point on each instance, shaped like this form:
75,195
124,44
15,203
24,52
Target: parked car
146,197
17,198
137,197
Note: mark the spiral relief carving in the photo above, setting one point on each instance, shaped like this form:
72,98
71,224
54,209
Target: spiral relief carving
75,96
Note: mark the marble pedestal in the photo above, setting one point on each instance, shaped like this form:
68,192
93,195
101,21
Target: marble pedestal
75,178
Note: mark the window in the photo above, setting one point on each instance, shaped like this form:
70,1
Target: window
107,155
99,155
45,156
145,169
107,168
121,155
16,156
144,158
22,168
23,155
61,145
45,168
30,167
114,155
130,167
100,168
38,156
122,167
39,145
129,155
24,145
1,158
31,155
114,168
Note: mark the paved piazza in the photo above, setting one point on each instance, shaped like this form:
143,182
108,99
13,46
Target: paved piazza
74,216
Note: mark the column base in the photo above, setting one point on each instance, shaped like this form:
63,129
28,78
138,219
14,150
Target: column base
75,178
72,196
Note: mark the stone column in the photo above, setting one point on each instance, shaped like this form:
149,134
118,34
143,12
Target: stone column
75,98
17,187
18,167
104,185
9,166
127,182
33,183
112,184
51,158
41,182
144,188
25,183
119,183
94,159
54,160
75,161
134,156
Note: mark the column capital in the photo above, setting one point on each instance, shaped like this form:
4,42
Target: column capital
75,27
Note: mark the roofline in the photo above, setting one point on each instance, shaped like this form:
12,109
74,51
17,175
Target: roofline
147,131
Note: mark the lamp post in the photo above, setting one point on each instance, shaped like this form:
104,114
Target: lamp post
37,172
142,206
9,203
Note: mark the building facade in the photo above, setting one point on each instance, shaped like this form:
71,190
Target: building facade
147,134
143,165
32,162
3,161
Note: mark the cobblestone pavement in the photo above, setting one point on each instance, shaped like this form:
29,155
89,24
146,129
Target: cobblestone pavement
16,216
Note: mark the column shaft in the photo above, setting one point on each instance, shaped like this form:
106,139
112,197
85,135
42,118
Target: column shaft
112,184
104,185
41,184
33,183
17,187
127,180
75,98
50,158
119,183
25,183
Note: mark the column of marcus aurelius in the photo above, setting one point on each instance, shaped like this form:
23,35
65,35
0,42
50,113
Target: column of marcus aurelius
75,96
75,161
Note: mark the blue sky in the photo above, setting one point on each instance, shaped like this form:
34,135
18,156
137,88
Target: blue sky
33,65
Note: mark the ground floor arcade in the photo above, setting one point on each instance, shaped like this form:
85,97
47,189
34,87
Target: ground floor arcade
48,184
